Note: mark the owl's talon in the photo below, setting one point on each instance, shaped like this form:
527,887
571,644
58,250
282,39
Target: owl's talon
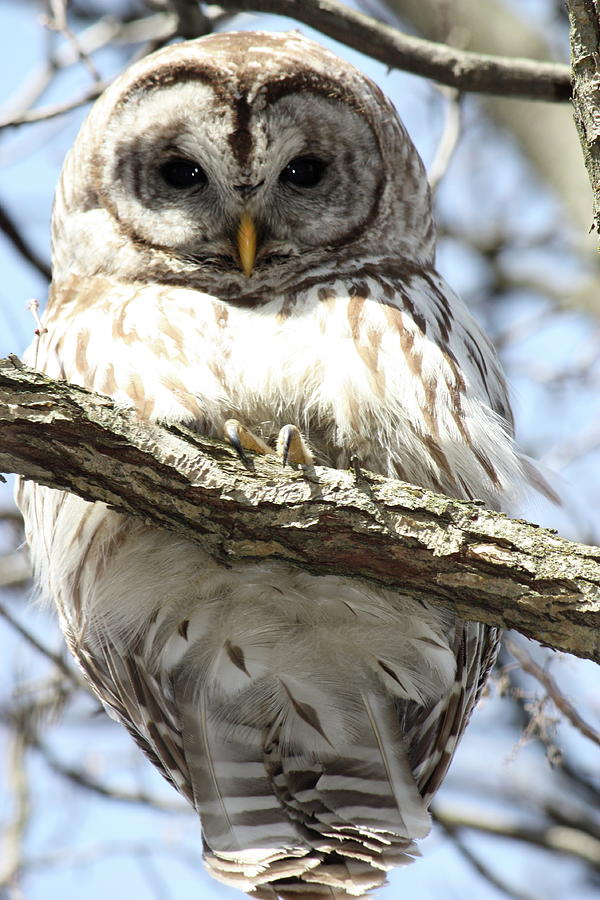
292,448
286,435
242,439
358,472
232,436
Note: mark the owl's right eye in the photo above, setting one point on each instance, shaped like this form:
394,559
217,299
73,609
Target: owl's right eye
182,173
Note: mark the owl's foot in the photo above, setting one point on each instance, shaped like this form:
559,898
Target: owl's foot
292,448
242,439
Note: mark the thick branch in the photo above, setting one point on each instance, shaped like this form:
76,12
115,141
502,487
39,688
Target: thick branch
460,69
479,563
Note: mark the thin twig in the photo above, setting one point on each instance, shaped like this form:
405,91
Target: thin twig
453,831
85,779
21,245
55,658
89,855
449,139
529,665
151,31
39,80
58,22
556,838
57,109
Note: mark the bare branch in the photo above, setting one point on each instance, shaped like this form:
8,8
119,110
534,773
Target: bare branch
478,563
461,69
556,838
191,21
56,109
54,658
16,829
151,30
14,235
58,22
528,664
454,832
83,778
449,139
91,39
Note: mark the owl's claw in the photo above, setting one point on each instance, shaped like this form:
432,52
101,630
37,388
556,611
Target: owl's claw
358,472
242,439
292,448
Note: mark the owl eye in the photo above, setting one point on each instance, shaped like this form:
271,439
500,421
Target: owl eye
182,173
303,171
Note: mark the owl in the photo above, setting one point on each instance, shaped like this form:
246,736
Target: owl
243,242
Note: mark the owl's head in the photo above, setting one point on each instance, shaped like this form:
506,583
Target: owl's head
237,162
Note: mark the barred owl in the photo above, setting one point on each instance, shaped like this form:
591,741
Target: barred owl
242,242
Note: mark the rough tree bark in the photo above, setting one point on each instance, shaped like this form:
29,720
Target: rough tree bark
585,61
481,564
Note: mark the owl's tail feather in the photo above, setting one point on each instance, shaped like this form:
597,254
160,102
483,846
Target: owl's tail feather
316,824
232,792
328,881
356,813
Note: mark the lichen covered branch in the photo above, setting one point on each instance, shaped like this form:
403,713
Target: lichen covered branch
479,563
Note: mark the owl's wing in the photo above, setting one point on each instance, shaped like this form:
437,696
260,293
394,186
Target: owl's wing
432,735
134,697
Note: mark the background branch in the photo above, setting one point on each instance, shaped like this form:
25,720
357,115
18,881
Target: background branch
460,69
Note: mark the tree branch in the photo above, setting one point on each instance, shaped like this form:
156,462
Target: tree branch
461,69
478,563
529,665
21,245
585,60
557,839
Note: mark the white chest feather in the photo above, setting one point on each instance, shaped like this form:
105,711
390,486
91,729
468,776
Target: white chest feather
356,372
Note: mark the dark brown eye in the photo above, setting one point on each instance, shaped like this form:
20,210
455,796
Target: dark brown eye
182,173
304,171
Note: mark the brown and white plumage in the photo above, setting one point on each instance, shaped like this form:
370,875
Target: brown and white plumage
308,719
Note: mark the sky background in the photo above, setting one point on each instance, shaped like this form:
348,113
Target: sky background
86,845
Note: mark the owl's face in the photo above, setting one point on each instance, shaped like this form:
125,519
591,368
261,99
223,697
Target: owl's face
241,161
305,173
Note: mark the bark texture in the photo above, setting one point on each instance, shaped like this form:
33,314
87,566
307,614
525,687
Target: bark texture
585,61
481,564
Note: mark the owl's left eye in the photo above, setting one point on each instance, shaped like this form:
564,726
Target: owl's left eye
303,171
182,173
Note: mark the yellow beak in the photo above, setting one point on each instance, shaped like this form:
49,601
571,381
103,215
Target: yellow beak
246,243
